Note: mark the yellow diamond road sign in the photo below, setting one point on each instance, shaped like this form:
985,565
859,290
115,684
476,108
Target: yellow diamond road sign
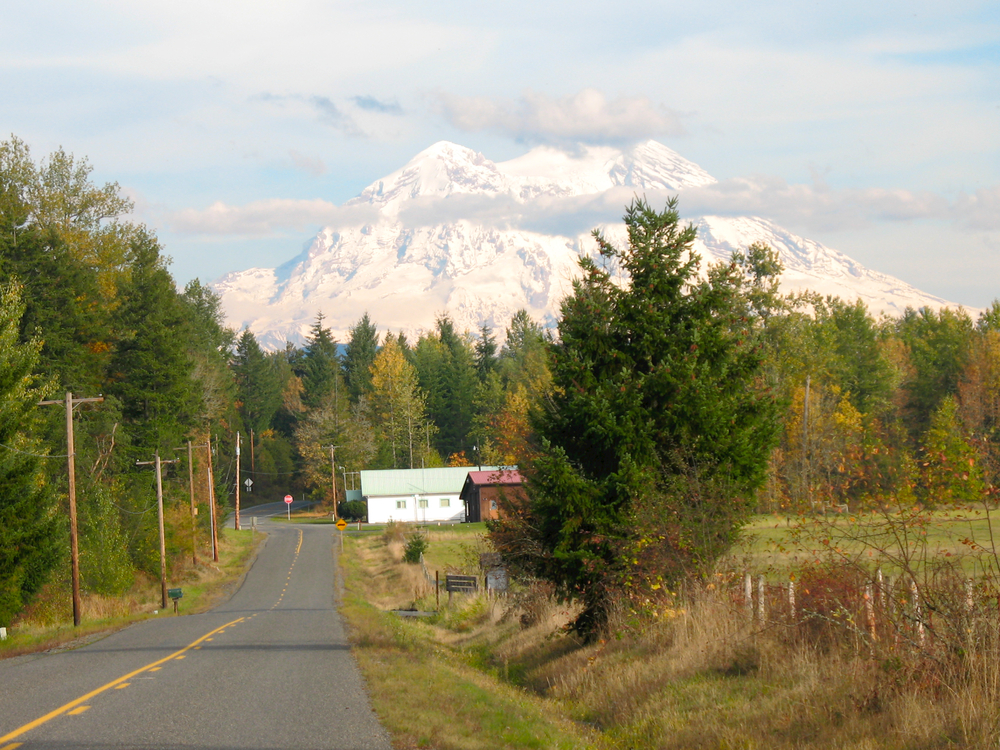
341,524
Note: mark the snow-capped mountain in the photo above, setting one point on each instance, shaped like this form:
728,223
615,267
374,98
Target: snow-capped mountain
458,233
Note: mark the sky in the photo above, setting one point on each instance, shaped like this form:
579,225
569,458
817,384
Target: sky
238,128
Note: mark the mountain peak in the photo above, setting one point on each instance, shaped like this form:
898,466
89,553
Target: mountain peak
652,166
439,170
480,262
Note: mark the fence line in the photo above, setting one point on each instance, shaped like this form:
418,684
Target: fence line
881,608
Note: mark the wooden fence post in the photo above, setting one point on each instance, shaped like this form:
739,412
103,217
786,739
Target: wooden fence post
761,606
917,613
870,611
748,595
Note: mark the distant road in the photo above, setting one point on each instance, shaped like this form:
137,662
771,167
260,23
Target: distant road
271,668
267,510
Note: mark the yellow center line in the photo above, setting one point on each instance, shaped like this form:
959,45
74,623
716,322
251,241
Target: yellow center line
12,746
114,683
78,710
123,685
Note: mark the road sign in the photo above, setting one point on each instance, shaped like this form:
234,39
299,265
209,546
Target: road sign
288,499
249,484
341,524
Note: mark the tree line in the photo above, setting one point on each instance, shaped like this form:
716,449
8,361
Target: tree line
673,402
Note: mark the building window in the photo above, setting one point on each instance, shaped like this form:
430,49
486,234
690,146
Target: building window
445,502
493,504
423,502
400,503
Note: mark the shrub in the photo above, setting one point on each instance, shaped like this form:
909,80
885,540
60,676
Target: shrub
353,510
415,547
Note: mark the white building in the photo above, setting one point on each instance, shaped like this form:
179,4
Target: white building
416,495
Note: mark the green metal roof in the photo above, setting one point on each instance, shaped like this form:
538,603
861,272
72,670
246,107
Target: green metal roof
448,480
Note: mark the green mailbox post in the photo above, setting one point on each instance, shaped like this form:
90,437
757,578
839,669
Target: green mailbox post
175,594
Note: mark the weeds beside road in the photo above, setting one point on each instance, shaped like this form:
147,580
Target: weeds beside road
48,623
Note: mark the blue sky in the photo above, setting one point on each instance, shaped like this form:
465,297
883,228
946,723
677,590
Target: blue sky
871,127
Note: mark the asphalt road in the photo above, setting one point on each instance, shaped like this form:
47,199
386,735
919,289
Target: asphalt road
270,668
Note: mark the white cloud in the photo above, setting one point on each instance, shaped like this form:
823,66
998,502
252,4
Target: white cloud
266,217
815,206
981,210
585,117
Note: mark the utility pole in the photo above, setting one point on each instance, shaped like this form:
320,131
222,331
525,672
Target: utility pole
211,497
74,544
236,524
805,443
333,477
194,510
159,514
211,503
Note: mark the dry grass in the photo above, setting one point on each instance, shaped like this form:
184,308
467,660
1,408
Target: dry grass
704,673
427,681
711,678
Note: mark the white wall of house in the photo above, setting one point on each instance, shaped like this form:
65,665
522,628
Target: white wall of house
429,508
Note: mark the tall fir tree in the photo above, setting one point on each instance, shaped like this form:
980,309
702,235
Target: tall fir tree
486,352
258,387
362,347
321,369
151,369
658,430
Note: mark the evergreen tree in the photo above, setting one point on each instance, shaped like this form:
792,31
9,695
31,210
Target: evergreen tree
359,356
486,352
524,358
320,366
151,369
29,525
63,305
989,319
657,432
258,388
446,368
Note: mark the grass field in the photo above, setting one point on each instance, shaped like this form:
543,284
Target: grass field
777,545
487,673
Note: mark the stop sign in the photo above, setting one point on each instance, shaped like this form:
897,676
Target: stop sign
288,499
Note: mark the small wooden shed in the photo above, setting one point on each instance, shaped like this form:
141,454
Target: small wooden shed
481,493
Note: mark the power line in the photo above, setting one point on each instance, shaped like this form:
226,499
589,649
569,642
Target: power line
26,453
